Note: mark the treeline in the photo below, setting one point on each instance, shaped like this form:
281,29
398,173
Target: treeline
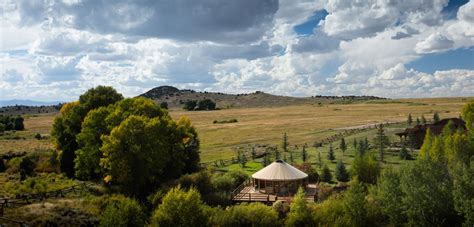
205,104
11,123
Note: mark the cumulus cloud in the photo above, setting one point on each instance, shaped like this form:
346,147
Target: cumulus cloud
434,43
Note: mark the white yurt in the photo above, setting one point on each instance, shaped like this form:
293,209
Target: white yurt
279,178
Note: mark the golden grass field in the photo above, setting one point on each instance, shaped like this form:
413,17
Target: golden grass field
303,124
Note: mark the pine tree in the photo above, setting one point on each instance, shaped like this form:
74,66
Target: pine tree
381,141
361,147
291,157
366,143
266,160
331,156
410,119
277,154
304,154
418,121
285,144
326,175
343,146
341,172
436,117
354,143
404,155
423,119
254,153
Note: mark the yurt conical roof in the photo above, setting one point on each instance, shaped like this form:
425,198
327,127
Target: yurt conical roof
279,171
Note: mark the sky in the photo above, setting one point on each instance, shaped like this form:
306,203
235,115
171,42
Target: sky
54,50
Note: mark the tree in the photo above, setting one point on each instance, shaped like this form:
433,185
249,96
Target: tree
365,168
206,104
427,193
341,173
355,205
254,153
331,155
164,105
18,123
423,119
343,146
468,116
2,127
404,155
299,212
326,175
436,117
122,211
304,154
190,105
266,160
390,196
418,121
141,152
354,143
284,143
463,192
381,141
292,160
241,159
251,214
2,165
410,119
181,208
68,124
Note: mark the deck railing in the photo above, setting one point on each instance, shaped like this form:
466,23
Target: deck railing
237,191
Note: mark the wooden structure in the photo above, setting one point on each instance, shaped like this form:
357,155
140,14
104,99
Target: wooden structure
277,181
418,132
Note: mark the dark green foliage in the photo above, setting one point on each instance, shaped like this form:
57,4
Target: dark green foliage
252,214
404,155
266,160
2,165
326,175
436,118
410,119
206,104
27,166
225,121
11,123
381,141
292,160
341,172
190,105
68,125
37,136
121,211
463,192
331,155
389,195
355,205
304,154
423,119
306,167
418,121
343,145
253,153
365,168
164,105
53,159
354,143
284,143
320,161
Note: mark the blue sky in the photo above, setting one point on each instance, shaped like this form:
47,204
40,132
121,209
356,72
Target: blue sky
55,50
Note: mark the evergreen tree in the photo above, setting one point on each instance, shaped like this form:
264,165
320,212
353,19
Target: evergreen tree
326,175
366,144
361,147
354,143
418,121
436,117
331,155
423,119
2,165
304,154
341,172
381,141
284,143
277,154
343,146
410,119
404,155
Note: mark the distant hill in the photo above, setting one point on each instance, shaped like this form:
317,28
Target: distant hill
26,102
176,98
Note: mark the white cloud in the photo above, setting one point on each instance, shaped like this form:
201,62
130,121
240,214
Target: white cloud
434,43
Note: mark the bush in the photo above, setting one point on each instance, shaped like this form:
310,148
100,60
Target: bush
164,105
181,208
38,136
306,167
122,211
27,166
225,121
365,168
190,105
253,214
2,165
206,104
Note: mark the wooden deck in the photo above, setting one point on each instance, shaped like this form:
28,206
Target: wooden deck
249,194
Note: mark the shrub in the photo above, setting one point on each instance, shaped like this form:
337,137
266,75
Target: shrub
306,167
164,105
2,165
38,136
365,168
122,211
225,121
181,208
27,166
253,214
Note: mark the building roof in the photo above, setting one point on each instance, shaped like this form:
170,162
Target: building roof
279,171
